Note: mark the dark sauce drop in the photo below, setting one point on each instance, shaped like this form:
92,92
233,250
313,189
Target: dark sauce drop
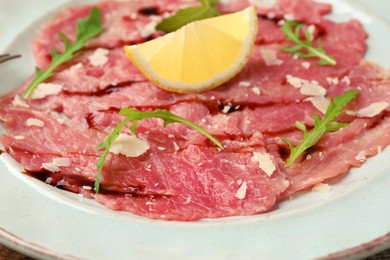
284,152
229,107
61,181
73,183
148,11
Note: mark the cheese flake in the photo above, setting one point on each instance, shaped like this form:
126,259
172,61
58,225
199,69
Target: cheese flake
289,17
244,84
265,162
306,64
99,57
309,88
62,162
311,29
270,57
241,192
362,156
46,89
373,109
35,122
18,101
312,89
77,66
346,80
319,102
332,81
256,90
294,81
129,146
322,187
54,165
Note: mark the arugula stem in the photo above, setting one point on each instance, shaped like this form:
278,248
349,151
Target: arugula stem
293,30
321,126
135,116
86,29
330,60
107,144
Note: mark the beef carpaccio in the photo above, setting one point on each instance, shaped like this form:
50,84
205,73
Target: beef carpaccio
183,176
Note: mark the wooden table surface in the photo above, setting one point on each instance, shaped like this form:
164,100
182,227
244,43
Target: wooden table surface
9,254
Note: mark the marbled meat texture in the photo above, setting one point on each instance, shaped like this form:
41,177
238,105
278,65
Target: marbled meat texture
183,176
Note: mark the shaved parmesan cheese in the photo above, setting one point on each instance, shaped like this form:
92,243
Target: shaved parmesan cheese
188,200
362,157
244,84
46,89
295,82
265,162
241,192
54,165
289,17
322,187
319,102
332,81
34,122
311,29
17,101
311,89
99,57
271,16
226,109
270,57
256,90
87,187
129,146
64,162
19,137
306,65
77,66
346,80
373,109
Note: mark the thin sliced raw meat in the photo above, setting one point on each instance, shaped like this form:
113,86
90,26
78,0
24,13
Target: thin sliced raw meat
183,175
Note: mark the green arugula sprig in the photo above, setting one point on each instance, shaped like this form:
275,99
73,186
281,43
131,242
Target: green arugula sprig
305,49
86,29
135,116
321,126
189,14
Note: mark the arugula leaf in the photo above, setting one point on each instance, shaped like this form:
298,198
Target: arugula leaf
136,116
189,14
321,126
305,49
86,29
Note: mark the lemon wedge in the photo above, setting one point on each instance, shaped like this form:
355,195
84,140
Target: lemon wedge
199,56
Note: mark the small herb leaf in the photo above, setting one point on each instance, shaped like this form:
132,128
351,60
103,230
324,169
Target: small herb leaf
321,126
187,15
293,30
135,116
86,30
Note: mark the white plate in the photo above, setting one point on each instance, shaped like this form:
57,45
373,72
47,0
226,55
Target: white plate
352,221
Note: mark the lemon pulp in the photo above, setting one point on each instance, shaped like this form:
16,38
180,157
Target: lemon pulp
199,56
